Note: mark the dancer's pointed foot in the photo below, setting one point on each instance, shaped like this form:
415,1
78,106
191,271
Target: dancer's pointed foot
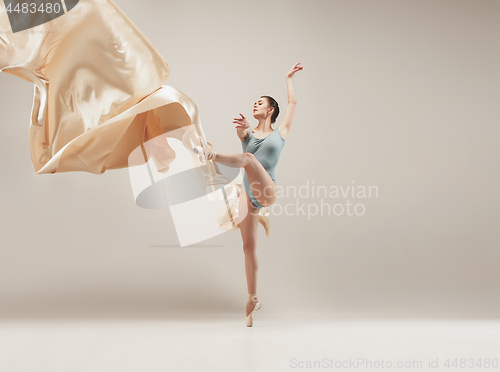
204,153
253,304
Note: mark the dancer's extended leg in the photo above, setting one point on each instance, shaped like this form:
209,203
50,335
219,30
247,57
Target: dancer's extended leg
263,187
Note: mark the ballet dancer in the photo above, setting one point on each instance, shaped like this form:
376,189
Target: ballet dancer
261,150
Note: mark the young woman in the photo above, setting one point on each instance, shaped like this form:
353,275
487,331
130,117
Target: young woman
261,150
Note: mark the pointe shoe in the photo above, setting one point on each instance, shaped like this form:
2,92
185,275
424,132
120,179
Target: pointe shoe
249,317
204,153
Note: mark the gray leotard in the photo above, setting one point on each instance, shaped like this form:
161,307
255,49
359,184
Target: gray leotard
267,151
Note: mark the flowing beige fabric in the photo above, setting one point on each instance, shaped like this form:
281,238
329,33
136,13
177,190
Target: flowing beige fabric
99,94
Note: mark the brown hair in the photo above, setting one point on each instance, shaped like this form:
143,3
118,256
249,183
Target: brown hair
272,102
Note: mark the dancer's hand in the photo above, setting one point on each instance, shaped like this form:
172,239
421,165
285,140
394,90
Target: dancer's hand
294,69
243,123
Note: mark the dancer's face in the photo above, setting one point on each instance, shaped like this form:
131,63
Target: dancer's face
261,108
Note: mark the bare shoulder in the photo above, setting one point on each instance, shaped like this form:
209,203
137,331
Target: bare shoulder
283,131
244,135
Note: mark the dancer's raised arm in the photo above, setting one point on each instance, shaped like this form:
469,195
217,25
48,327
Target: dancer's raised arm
285,126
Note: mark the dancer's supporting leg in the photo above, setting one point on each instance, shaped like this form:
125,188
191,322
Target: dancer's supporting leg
248,227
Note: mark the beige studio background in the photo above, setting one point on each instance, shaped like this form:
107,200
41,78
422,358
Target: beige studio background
401,95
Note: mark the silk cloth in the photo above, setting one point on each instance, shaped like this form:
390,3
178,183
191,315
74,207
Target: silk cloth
99,93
